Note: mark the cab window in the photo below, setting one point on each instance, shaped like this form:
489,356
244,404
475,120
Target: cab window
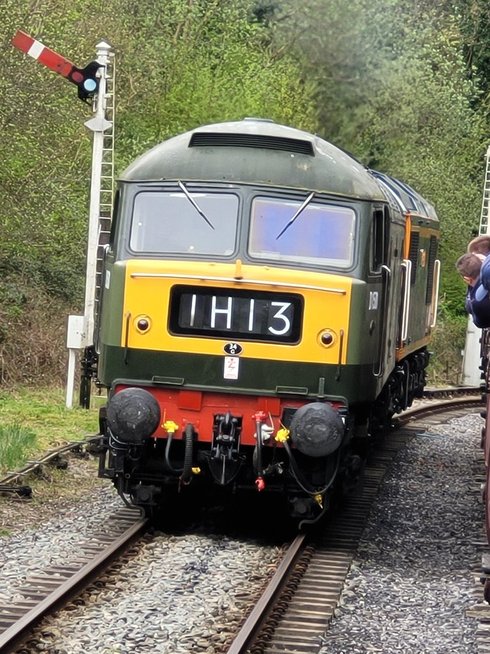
184,222
302,231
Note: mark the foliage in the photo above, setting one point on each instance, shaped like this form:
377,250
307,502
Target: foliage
446,363
32,334
474,19
46,423
42,413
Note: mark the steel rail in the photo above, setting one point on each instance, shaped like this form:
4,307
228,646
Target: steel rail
51,588
436,406
32,465
253,623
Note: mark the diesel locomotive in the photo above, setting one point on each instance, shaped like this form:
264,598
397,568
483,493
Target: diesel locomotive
267,302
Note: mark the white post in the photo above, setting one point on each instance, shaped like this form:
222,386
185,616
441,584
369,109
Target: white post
72,357
471,357
73,343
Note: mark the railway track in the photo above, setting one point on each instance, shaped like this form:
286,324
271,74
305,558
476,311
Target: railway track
296,608
298,605
49,589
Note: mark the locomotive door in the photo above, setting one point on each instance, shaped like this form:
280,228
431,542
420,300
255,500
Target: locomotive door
383,289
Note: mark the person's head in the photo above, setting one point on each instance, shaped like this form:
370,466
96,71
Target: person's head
480,245
468,266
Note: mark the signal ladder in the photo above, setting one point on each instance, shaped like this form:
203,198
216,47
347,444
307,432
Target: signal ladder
485,208
106,196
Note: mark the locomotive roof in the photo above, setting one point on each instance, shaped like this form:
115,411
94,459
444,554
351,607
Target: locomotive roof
405,197
259,151
256,151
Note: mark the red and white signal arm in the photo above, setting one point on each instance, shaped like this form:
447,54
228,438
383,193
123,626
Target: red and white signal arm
44,55
85,78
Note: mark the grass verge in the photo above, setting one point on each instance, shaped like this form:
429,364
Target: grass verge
16,443
33,421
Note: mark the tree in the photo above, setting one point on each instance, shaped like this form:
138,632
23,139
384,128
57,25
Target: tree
179,64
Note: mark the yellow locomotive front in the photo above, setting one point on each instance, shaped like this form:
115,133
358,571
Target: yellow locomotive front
245,314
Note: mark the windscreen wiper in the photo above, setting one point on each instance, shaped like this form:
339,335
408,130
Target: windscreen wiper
303,206
194,203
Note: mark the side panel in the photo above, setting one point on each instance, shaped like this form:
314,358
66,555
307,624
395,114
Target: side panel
422,253
375,303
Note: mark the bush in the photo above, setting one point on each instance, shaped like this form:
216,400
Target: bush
32,337
447,344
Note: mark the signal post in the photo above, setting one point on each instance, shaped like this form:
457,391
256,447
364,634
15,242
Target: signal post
91,82
472,375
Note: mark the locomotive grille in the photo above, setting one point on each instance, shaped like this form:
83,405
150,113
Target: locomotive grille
413,254
259,141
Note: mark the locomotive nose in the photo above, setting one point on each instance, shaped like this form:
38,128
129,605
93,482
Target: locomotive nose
317,429
133,414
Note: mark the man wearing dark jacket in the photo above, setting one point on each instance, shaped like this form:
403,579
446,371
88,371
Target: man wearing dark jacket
477,302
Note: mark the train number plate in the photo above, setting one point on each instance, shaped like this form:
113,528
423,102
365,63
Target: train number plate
247,315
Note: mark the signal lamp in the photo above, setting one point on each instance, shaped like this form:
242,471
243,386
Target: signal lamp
86,80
